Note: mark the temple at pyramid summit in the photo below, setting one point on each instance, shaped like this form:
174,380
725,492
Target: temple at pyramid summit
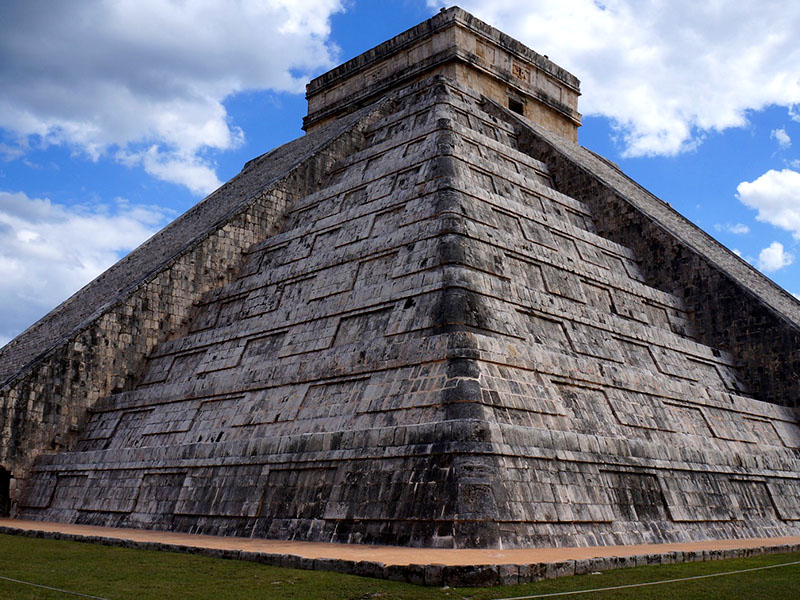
434,320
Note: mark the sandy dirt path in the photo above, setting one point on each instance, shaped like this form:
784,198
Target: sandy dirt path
391,555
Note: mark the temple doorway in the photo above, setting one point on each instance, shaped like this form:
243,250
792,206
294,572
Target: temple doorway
5,492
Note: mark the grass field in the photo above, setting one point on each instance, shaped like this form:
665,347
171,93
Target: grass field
119,573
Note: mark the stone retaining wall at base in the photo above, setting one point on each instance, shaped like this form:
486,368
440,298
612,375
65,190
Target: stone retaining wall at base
431,574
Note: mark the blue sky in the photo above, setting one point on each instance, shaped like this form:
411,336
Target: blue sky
116,117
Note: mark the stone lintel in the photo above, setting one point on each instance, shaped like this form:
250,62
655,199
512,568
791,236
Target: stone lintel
458,45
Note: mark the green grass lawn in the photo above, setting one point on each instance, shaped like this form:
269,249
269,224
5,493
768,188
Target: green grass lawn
119,573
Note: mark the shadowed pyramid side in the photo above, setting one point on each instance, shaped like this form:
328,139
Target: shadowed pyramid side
610,421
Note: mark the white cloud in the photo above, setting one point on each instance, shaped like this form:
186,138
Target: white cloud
176,167
48,251
737,252
736,229
780,135
774,257
666,73
9,152
739,229
776,197
134,74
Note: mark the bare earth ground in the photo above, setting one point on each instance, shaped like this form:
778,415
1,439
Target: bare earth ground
392,555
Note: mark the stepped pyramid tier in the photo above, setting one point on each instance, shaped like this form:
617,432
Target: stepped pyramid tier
434,320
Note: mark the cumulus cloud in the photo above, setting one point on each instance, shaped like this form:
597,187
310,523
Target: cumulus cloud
134,75
780,136
666,73
776,197
736,229
48,250
774,257
182,168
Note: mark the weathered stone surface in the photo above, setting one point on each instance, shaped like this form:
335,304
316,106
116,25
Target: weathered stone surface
535,572
583,567
625,562
603,564
395,573
465,49
509,574
559,569
728,304
434,575
415,574
367,568
439,324
472,575
93,344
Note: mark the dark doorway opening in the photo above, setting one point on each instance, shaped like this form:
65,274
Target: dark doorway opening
516,106
5,492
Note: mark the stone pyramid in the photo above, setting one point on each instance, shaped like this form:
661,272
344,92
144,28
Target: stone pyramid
434,320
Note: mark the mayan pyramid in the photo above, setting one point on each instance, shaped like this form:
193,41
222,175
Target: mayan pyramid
433,320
